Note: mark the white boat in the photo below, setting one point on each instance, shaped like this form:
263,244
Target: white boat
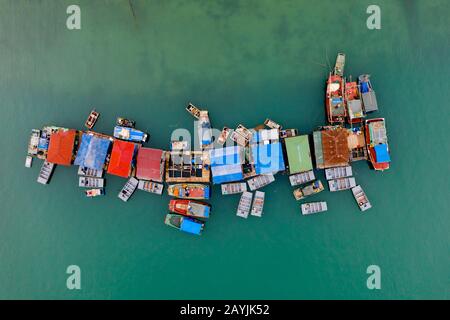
92,193
341,184
258,204
179,145
272,124
89,182
340,64
233,188
128,189
338,172
245,204
33,143
314,207
301,178
243,131
238,138
361,198
46,172
28,161
260,181
223,135
88,172
287,133
150,186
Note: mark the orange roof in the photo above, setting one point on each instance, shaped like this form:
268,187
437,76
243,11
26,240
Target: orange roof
60,149
121,158
335,147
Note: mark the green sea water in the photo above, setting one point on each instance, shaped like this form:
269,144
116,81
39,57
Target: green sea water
243,61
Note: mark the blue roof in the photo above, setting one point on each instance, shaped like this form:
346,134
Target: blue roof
226,164
268,158
191,226
134,134
92,152
382,153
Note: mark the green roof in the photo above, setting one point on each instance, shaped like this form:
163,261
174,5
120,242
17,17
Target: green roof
298,154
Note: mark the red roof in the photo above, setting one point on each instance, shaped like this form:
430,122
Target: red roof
121,158
148,166
60,148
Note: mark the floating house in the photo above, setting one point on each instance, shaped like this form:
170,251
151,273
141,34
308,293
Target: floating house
61,147
226,164
93,151
187,166
150,164
331,147
122,156
267,158
298,154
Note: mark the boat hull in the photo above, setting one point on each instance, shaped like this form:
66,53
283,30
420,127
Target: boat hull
194,191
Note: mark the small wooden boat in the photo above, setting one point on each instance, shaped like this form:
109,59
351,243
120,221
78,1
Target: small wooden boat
338,172
369,98
223,135
301,178
185,224
287,133
361,198
189,191
238,138
341,184
150,186
128,189
377,144
123,122
190,208
272,124
314,207
88,172
258,204
233,188
89,182
340,64
28,161
313,188
243,131
46,172
260,181
92,119
91,193
193,110
33,143
245,204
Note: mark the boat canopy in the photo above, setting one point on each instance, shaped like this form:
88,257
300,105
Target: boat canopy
149,164
265,134
226,164
60,149
298,154
121,158
92,152
382,153
128,133
267,158
191,226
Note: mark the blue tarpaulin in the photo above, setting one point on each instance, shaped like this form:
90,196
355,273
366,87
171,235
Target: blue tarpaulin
268,158
191,226
382,153
226,164
92,152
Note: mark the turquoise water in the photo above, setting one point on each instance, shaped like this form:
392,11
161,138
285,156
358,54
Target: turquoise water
243,61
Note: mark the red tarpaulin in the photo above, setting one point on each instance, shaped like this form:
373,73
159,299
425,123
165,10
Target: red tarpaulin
121,158
148,166
60,148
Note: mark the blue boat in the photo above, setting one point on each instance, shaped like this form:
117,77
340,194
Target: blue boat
129,134
185,224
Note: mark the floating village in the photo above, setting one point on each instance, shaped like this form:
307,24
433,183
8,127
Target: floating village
241,160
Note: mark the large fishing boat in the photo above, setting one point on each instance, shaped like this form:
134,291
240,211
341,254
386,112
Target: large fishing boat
189,191
190,208
185,224
335,99
353,101
377,144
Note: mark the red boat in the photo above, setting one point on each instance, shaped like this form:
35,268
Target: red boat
335,101
190,208
377,144
355,110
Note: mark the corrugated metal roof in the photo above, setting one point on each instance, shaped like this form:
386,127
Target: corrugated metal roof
298,154
60,149
121,158
148,164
